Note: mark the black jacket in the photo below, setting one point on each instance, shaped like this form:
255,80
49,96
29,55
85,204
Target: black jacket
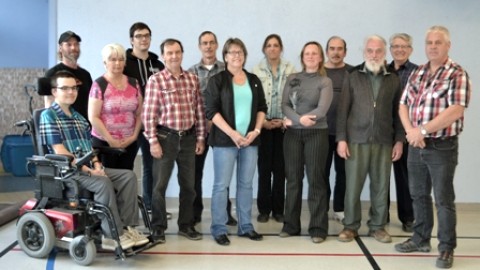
219,99
142,69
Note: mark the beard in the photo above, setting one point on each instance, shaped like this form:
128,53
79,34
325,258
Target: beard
374,66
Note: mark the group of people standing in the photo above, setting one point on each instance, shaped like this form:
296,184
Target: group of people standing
286,123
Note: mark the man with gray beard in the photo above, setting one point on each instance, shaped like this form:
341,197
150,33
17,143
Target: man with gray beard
370,136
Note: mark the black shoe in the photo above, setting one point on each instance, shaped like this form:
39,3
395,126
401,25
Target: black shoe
252,235
231,221
190,233
278,218
407,227
263,218
222,240
445,260
158,236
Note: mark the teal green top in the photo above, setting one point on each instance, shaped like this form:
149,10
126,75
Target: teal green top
242,102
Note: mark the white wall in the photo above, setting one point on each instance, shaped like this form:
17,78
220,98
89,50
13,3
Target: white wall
99,22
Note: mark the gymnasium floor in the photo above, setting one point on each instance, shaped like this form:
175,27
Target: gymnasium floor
271,253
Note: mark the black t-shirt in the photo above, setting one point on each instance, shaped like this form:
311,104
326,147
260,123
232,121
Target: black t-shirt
85,83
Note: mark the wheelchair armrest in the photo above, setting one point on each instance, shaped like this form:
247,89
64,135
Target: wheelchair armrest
110,150
59,157
85,159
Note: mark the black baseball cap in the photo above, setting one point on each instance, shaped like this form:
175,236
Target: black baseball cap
68,35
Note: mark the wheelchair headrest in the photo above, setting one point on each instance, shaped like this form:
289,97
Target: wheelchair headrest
44,86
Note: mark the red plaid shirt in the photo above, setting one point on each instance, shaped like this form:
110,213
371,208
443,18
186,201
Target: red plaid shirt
175,103
427,95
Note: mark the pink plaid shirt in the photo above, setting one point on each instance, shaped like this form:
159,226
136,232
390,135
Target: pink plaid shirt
175,103
427,95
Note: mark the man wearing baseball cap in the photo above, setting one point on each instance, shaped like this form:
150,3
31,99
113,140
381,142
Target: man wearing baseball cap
68,53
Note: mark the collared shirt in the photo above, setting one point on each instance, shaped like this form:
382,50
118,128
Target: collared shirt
275,111
204,73
175,103
56,127
403,71
427,95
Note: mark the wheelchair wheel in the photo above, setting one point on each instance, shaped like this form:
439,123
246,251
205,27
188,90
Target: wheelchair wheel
35,234
82,250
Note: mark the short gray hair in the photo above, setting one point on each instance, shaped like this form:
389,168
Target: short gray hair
374,37
441,29
403,36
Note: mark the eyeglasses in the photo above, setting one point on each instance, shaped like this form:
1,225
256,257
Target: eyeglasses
116,59
69,88
236,53
140,36
403,47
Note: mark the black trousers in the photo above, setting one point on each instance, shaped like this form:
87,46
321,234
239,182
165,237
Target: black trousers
305,151
404,200
117,161
339,163
271,173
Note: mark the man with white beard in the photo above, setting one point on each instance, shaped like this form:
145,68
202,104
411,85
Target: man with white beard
370,137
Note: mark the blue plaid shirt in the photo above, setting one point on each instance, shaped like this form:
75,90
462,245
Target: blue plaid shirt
58,128
403,72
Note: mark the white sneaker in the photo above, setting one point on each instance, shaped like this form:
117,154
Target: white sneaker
136,236
338,217
125,241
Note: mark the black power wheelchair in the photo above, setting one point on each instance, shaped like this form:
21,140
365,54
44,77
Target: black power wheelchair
62,215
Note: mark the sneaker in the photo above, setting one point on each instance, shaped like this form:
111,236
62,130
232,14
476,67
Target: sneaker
136,236
169,215
445,260
381,236
263,218
347,235
110,244
317,239
410,246
338,217
190,233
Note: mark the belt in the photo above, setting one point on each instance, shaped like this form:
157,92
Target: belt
179,133
440,139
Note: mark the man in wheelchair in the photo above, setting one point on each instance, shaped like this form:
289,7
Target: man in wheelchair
63,130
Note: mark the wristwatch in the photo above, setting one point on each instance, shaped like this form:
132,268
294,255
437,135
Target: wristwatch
423,130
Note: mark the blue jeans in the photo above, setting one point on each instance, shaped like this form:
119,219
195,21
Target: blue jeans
434,166
224,160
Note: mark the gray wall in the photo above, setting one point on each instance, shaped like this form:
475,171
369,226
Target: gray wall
99,22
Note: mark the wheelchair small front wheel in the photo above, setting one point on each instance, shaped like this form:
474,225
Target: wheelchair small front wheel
35,234
82,250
